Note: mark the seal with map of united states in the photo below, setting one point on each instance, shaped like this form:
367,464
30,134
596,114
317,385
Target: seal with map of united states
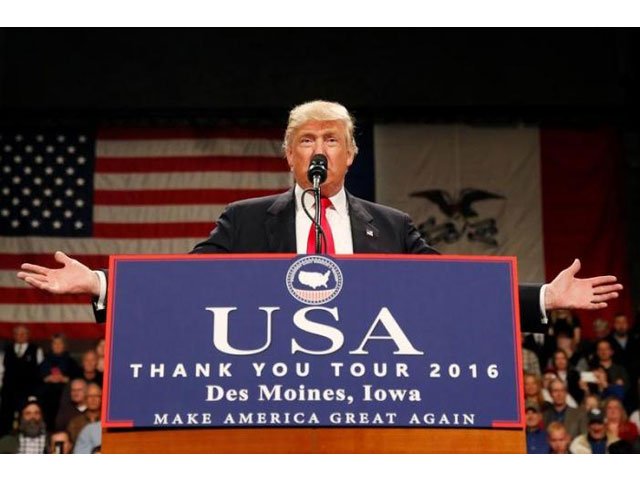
314,280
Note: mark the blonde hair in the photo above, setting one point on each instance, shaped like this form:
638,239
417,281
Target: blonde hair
320,110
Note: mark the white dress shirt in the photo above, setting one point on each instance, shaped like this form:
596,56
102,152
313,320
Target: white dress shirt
337,216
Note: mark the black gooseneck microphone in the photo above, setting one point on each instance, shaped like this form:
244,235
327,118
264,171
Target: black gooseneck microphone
317,174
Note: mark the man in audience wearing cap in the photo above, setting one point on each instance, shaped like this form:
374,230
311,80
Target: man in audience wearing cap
536,436
596,440
31,436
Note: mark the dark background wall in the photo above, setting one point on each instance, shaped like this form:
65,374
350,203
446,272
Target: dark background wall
271,69
148,76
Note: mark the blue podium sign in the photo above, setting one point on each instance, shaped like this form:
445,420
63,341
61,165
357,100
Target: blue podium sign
284,340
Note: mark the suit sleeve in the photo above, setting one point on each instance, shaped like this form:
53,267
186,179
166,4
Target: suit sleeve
531,317
220,241
221,238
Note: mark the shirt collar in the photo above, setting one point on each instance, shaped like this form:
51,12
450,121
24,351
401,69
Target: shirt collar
339,200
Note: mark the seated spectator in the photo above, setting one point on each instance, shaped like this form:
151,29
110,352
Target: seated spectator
565,322
558,438
91,414
21,377
59,442
530,362
31,436
568,374
533,390
100,351
72,403
573,419
617,422
56,370
89,439
575,355
90,367
596,440
535,436
617,377
626,353
589,402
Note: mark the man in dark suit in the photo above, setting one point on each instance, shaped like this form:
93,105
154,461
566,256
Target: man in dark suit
278,224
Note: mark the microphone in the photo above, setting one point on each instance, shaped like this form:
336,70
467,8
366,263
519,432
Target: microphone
317,172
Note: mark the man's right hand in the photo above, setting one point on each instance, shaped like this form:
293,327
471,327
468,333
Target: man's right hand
73,277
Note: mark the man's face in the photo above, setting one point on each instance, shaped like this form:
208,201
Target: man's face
604,351
559,441
560,361
597,430
78,392
533,419
31,423
558,394
94,398
89,361
530,386
58,346
621,325
328,138
32,412
21,335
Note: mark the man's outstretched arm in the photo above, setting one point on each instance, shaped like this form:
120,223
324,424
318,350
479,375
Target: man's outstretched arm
564,291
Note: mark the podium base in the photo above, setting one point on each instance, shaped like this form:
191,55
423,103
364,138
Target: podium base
313,440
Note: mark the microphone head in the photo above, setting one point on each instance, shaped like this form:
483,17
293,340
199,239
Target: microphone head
318,167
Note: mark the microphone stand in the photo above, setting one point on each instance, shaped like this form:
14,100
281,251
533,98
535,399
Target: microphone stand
318,206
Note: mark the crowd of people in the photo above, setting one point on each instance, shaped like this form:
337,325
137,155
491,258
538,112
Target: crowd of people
581,396
50,402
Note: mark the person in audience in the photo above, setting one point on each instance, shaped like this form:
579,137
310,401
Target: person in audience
89,439
617,423
57,369
597,440
616,376
589,402
626,353
573,419
558,438
31,435
567,322
533,390
59,442
21,377
100,351
90,370
73,403
568,374
91,414
536,437
530,361
575,354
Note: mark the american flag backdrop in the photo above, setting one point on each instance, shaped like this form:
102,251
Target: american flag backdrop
122,191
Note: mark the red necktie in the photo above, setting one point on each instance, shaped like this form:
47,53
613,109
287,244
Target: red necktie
326,228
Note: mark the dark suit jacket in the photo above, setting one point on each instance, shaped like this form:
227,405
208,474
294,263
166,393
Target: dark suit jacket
267,225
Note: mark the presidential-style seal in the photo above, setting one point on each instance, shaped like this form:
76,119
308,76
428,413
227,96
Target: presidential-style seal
314,280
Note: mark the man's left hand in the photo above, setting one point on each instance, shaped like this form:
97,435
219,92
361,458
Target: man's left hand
567,291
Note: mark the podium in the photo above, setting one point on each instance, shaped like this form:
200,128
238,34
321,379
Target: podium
312,354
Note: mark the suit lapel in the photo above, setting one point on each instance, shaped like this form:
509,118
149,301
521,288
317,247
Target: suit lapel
281,224
363,231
